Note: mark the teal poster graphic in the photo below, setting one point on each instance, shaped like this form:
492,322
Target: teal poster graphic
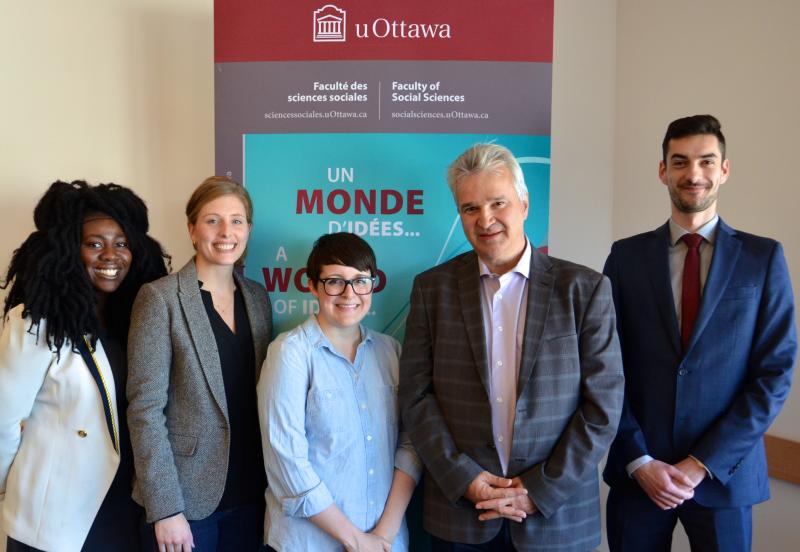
345,116
389,189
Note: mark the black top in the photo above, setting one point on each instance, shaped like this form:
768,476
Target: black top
116,358
245,481
116,526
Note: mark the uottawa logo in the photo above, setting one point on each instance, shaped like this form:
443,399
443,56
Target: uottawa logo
329,24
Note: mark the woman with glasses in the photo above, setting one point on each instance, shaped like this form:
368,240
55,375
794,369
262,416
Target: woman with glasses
340,473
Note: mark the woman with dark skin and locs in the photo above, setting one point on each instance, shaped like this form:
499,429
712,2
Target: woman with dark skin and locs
65,456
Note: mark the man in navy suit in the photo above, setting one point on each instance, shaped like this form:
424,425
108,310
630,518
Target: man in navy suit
707,328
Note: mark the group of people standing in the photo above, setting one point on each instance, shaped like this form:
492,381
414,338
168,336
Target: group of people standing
90,314
147,411
129,418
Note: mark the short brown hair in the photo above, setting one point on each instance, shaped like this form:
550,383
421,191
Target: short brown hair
692,126
342,248
210,189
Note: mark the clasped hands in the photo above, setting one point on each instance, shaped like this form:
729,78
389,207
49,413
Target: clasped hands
667,485
369,542
500,497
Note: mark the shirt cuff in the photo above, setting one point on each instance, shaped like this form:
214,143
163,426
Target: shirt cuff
638,463
309,503
167,517
408,462
708,472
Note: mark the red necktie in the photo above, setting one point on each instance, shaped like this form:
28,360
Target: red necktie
690,297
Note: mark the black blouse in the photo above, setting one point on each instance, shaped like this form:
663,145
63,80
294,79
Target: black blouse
245,481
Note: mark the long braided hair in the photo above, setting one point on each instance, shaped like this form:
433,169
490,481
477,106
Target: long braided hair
46,274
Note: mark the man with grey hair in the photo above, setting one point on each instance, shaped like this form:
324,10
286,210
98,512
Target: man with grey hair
510,380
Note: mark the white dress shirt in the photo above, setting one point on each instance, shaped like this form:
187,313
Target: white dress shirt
504,301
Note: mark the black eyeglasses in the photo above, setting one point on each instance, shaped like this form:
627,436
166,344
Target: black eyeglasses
362,285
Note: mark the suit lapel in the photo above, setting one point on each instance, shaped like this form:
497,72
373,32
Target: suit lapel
471,309
90,358
201,333
258,324
541,282
657,261
726,253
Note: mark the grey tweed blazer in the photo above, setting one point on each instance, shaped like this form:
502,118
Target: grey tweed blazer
569,399
177,412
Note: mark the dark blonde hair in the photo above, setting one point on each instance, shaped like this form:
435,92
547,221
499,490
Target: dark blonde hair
210,189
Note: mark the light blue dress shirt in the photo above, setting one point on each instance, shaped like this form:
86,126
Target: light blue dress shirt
330,434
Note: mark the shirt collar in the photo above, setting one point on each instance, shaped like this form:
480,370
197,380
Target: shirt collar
708,231
319,339
523,266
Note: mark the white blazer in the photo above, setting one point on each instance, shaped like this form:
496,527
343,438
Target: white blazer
54,473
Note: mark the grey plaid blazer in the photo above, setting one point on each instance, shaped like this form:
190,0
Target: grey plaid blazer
569,399
177,412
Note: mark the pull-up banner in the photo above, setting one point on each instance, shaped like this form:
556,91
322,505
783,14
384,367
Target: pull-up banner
344,117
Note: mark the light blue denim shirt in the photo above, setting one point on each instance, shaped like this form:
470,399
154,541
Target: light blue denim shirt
330,433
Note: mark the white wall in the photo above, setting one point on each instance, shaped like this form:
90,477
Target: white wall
119,90
582,172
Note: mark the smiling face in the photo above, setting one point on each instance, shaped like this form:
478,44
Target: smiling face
693,172
343,311
493,217
105,253
220,231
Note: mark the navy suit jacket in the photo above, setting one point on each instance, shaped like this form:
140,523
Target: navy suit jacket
716,401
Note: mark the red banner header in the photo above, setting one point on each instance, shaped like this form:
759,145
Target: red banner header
477,30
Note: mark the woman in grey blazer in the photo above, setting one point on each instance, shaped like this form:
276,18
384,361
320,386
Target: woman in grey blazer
65,457
196,345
